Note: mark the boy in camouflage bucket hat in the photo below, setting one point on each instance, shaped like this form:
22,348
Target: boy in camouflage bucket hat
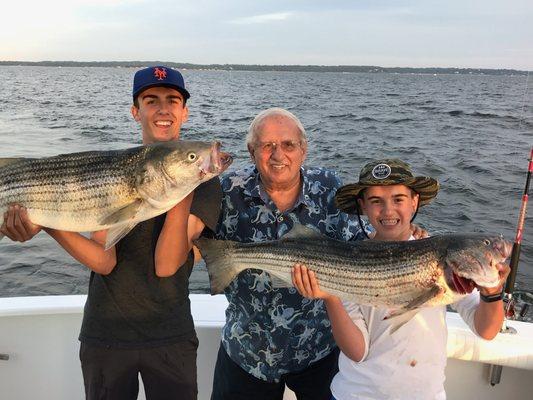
407,364
351,198
384,173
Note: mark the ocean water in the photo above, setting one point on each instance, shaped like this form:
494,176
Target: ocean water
471,132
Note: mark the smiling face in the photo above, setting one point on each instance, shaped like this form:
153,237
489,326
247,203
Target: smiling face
161,112
278,152
389,209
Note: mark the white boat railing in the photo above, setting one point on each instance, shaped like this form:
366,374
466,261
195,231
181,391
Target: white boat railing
38,336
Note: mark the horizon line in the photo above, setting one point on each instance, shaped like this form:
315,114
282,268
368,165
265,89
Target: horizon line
340,67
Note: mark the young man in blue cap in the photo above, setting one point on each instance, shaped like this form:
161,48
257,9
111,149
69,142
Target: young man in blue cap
137,317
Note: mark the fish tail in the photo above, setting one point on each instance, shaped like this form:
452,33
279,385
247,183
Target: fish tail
218,260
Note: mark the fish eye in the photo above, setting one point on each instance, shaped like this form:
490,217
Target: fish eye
192,156
487,242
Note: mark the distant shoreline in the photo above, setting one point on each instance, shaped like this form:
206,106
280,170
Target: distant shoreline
291,68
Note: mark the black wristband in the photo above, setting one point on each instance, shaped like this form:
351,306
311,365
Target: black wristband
491,297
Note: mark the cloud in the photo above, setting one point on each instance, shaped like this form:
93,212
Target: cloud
263,18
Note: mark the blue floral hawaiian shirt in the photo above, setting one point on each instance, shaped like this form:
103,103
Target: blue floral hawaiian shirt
270,332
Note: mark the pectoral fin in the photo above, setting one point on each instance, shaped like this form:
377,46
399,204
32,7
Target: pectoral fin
116,233
300,231
403,315
398,320
123,214
423,298
280,282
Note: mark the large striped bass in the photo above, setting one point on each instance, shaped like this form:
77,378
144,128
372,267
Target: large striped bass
398,275
115,190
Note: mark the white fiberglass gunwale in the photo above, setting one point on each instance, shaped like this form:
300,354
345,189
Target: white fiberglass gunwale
513,350
39,351
207,310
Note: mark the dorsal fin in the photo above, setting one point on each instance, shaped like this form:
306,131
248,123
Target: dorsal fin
11,160
302,231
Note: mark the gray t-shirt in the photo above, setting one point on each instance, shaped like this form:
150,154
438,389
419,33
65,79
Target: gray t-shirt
132,307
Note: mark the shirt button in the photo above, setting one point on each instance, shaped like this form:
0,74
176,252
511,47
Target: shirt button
280,218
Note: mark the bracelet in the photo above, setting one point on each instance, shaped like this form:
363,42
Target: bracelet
491,297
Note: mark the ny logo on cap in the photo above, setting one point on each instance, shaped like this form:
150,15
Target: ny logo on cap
160,73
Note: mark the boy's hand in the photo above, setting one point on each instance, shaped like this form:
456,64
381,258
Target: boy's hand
418,232
17,225
306,283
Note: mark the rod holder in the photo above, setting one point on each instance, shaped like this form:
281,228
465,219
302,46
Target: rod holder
495,374
509,330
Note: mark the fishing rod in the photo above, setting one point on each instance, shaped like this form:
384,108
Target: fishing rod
515,254
496,370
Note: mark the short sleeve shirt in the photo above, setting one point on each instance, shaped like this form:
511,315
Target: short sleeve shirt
272,331
407,364
132,307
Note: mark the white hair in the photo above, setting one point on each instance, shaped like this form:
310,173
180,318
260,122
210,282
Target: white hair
254,129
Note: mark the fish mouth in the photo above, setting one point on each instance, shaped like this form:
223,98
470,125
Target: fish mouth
459,279
504,248
462,285
221,160
468,271
457,283
217,162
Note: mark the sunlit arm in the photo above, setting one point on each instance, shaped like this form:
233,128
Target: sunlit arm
89,252
175,241
173,244
348,336
488,319
195,229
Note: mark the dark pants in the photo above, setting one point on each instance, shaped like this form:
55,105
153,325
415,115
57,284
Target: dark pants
231,382
168,372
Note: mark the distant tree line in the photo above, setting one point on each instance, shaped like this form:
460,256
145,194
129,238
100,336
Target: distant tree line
294,68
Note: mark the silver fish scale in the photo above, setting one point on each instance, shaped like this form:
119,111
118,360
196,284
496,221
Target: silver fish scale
378,272
70,182
397,275
113,190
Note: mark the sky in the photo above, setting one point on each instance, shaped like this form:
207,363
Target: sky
415,33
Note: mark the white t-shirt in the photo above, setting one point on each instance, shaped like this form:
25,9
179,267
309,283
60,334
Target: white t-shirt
408,364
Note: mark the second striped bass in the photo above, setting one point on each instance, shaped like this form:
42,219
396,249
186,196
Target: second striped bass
398,275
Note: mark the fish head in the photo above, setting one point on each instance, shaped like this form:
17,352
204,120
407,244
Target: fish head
194,161
472,260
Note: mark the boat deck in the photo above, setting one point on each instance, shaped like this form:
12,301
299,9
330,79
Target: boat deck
39,334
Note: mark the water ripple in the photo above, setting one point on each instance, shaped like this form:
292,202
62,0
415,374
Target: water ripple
472,133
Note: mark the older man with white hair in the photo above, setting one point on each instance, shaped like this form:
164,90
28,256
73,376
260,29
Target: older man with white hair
273,336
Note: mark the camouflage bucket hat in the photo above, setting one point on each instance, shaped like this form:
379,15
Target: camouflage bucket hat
384,173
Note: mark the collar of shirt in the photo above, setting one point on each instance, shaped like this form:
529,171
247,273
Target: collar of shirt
254,188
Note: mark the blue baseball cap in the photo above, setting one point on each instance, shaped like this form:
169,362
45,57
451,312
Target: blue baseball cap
158,76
